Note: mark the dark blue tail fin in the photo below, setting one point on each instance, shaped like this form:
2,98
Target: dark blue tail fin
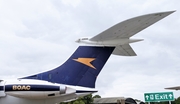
81,69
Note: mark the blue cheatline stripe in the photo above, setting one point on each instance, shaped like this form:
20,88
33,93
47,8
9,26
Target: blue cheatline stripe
84,91
31,88
1,88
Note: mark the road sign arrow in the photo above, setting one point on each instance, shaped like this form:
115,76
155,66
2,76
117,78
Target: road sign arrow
170,95
147,97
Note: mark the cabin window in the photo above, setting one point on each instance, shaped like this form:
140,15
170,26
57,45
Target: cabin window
50,76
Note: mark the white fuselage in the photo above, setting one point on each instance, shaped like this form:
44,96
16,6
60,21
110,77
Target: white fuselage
28,91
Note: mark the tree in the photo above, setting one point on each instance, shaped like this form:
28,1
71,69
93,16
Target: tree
96,96
78,102
88,99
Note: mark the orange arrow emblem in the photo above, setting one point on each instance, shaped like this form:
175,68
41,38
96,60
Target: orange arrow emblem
86,61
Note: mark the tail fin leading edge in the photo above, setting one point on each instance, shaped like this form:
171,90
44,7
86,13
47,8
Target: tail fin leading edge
81,69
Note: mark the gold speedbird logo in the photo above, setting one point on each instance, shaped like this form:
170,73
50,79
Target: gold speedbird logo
86,61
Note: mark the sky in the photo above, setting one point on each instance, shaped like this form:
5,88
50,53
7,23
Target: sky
39,35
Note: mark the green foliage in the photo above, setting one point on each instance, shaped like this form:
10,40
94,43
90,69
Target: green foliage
83,100
78,102
177,101
96,96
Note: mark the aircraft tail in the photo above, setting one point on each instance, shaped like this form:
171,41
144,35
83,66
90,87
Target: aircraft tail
81,69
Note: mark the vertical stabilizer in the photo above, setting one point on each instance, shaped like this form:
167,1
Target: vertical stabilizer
81,69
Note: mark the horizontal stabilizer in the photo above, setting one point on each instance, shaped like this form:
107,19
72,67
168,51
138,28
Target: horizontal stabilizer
118,36
124,50
130,27
173,88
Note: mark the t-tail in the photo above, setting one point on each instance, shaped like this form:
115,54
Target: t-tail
81,69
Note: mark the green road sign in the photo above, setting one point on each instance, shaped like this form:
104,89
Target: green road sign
159,96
